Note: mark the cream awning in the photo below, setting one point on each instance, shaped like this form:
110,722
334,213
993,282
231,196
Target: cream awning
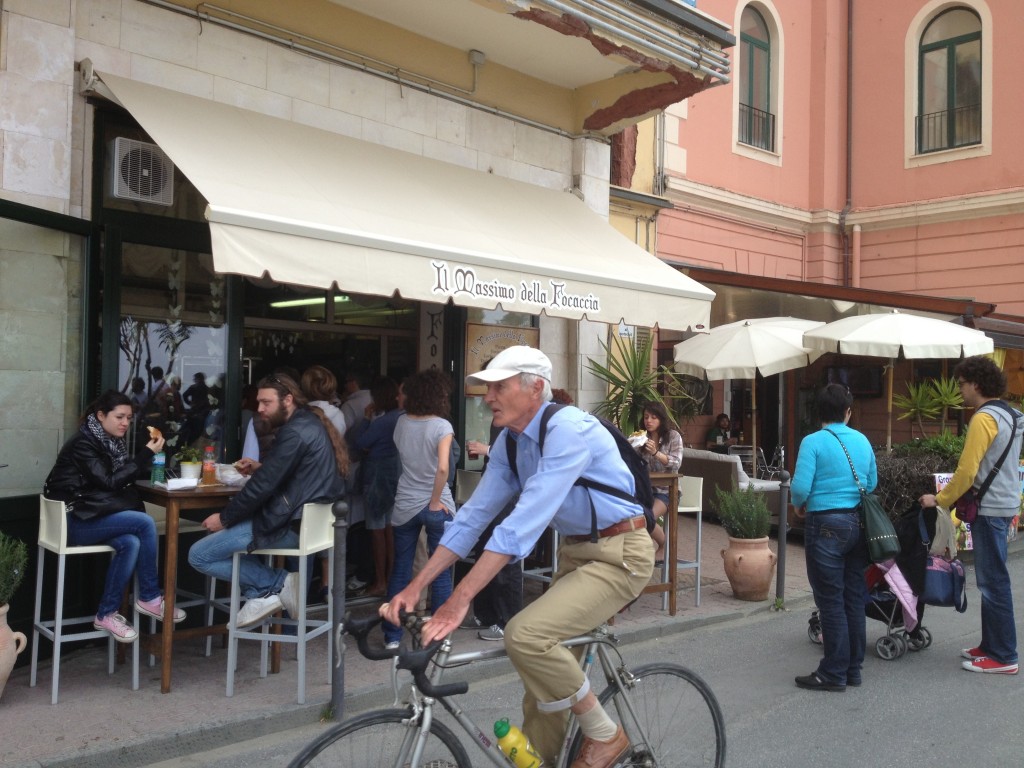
315,208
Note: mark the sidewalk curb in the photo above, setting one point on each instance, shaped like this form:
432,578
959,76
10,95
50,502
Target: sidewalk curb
215,735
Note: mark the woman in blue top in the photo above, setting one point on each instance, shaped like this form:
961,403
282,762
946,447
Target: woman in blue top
380,467
824,485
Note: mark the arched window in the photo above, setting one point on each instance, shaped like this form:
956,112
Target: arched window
949,72
756,121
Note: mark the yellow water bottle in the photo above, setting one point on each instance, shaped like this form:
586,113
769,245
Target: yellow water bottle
514,743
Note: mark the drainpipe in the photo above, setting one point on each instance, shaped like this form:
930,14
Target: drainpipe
855,258
843,236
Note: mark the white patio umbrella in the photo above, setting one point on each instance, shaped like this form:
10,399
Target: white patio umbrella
741,350
890,333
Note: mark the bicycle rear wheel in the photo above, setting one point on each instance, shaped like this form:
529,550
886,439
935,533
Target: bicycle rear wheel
677,719
382,739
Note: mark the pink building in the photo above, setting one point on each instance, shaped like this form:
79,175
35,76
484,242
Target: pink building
859,145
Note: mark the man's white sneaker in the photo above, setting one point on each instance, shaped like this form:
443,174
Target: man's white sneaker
290,595
258,608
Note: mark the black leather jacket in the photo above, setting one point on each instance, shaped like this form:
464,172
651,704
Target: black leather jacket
84,478
300,468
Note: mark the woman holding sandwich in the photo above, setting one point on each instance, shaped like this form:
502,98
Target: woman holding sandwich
95,477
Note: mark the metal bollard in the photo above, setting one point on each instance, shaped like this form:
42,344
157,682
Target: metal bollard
780,572
337,597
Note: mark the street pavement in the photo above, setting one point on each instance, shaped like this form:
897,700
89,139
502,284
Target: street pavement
912,711
748,653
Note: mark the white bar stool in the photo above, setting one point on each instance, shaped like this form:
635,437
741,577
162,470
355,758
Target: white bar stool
53,537
690,500
316,533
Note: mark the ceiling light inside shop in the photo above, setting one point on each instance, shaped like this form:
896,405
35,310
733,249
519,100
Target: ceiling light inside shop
310,302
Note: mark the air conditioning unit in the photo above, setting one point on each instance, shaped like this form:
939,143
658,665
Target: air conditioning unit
141,171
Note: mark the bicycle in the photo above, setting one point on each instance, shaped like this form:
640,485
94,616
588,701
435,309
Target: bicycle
669,713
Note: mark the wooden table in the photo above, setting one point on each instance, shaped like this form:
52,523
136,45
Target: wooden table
209,497
669,572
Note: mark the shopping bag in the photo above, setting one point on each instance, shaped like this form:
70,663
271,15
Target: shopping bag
883,544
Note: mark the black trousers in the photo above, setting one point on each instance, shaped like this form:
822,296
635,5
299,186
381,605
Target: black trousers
502,598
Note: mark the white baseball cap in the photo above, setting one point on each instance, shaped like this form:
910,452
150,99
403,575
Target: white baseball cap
511,362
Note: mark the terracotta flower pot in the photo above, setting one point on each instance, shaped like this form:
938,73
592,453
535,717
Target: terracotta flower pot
749,566
11,644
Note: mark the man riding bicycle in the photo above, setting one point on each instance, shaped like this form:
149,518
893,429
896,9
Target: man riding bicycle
605,560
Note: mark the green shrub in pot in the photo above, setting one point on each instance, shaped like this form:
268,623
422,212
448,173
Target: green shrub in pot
744,512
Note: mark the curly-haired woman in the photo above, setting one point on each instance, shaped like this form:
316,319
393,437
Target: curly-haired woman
423,436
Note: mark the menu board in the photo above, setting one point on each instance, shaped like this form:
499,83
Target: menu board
963,534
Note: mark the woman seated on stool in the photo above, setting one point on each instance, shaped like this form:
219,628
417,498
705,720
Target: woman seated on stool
95,478
663,452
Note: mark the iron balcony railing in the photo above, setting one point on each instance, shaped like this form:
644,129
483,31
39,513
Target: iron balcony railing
950,128
757,128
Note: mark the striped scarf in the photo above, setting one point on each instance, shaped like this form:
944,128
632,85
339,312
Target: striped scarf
117,447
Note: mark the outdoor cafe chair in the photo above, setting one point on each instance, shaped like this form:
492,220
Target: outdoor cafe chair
53,537
690,501
316,534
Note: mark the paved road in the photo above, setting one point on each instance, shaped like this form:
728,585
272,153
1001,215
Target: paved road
917,710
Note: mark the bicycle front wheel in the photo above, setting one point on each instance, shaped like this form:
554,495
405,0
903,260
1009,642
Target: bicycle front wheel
671,717
382,740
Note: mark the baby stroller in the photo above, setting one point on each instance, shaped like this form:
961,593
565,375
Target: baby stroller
882,603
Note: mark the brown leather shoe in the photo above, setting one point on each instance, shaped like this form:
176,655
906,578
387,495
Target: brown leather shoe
602,754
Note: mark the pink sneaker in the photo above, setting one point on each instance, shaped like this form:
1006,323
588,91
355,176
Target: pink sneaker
117,626
155,609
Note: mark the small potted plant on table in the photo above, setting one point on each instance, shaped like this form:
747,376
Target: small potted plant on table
748,560
190,462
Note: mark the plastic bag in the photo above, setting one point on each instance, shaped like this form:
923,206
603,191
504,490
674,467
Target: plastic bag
227,474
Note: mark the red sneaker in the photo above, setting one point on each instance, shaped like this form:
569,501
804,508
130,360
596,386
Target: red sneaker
973,653
990,666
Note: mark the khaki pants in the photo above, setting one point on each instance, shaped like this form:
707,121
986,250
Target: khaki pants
593,582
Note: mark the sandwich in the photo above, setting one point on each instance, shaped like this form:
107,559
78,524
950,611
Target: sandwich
154,433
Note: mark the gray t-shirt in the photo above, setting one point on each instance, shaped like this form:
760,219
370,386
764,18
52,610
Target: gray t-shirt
417,439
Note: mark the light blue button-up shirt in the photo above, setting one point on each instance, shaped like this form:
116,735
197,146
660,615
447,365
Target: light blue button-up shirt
577,445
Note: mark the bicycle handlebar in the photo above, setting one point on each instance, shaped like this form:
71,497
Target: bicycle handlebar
360,630
414,661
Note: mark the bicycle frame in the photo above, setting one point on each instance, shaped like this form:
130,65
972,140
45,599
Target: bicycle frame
597,646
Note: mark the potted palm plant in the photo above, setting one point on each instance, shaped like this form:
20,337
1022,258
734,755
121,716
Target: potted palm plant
13,560
749,561
632,382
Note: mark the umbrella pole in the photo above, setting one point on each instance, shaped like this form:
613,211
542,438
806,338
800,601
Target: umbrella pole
753,423
888,426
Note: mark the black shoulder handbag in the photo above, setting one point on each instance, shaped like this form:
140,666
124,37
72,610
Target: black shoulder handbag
883,544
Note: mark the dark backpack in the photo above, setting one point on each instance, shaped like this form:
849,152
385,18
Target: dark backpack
641,475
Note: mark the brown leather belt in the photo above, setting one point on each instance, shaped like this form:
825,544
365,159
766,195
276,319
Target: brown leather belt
623,526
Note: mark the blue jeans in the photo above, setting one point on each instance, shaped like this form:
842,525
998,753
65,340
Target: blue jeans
212,554
998,633
836,559
405,537
133,537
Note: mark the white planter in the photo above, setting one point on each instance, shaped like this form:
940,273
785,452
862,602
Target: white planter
190,470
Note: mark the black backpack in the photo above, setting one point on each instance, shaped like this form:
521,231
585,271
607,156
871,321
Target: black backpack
641,475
